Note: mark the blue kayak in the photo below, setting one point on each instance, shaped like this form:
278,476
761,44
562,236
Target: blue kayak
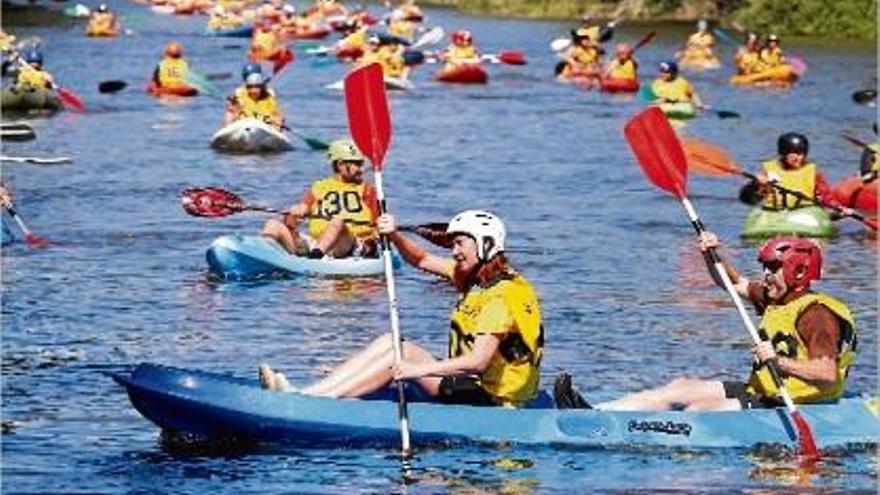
240,32
210,405
251,257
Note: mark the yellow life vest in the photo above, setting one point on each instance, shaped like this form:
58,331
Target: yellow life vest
749,62
403,28
461,54
30,78
625,70
336,198
772,57
675,91
778,327
357,39
701,40
264,109
508,306
802,180
393,64
585,55
101,23
264,42
172,73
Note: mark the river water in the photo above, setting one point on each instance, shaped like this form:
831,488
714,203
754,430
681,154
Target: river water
626,297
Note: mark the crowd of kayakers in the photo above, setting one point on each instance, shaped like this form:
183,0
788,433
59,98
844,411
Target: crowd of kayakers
496,339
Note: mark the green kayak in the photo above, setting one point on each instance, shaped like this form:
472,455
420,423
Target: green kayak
24,101
810,221
681,111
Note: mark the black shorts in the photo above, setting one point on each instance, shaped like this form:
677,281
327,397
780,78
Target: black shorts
737,390
463,390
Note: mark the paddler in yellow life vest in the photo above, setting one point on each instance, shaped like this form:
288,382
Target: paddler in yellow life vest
869,167
353,46
794,171
583,59
462,49
324,9
400,27
670,87
622,67
171,71
33,77
342,211
254,100
409,11
771,54
748,57
496,340
102,22
223,19
810,335
388,53
699,48
265,43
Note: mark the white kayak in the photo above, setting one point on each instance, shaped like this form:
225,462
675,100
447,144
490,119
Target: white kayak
391,84
250,136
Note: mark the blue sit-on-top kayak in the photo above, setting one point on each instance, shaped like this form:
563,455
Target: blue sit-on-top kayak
210,405
249,257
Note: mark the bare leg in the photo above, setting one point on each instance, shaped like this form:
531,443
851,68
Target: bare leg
715,405
287,237
354,366
336,239
378,375
684,391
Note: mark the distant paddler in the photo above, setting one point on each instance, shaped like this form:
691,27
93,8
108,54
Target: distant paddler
254,100
622,70
387,51
496,339
583,59
462,50
103,23
169,77
222,19
408,11
266,42
674,94
699,49
33,76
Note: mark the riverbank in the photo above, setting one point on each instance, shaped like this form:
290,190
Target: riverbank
844,19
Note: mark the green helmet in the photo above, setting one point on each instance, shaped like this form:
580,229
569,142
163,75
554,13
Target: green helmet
344,149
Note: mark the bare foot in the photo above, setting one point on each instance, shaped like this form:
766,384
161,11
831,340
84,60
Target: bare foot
267,377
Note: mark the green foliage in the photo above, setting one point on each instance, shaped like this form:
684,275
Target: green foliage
837,18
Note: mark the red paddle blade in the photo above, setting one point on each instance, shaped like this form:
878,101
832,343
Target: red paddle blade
210,202
871,223
806,441
368,117
281,60
656,147
512,57
71,100
708,158
36,241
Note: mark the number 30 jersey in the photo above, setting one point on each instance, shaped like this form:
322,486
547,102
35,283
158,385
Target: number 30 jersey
330,198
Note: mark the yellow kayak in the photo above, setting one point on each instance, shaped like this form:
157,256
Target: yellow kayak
782,75
699,63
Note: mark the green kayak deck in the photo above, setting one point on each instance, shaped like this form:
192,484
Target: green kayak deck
26,101
811,221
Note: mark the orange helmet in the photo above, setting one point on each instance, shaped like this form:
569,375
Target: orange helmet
462,37
173,49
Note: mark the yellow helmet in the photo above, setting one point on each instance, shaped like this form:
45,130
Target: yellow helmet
345,150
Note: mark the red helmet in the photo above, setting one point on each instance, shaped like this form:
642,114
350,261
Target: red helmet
462,37
801,259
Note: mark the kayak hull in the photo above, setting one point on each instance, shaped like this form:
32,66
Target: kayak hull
250,257
612,85
250,136
852,193
239,32
314,33
211,405
679,111
700,64
784,76
811,221
26,101
463,74
184,91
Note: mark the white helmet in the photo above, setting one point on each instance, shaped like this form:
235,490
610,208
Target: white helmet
255,79
485,228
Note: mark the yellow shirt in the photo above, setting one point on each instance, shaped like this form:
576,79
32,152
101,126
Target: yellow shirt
509,309
675,91
101,23
772,57
622,70
584,55
265,109
172,73
749,62
30,79
331,198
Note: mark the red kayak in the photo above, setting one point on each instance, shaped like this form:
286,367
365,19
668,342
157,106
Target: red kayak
853,193
348,53
165,91
463,74
312,33
612,85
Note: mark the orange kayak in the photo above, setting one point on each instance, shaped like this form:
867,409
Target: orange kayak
852,193
463,74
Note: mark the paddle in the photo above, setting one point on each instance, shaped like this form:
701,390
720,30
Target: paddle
647,93
112,86
713,160
725,36
313,143
200,82
864,96
370,126
431,37
17,132
509,57
30,238
69,99
215,202
659,153
858,142
36,160
605,34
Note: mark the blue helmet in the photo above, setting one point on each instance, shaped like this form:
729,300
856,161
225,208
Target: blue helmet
33,57
669,67
250,68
